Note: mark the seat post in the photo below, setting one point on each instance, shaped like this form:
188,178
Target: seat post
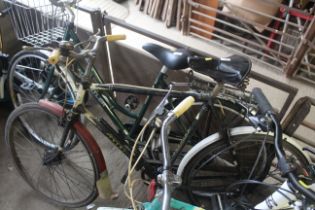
164,69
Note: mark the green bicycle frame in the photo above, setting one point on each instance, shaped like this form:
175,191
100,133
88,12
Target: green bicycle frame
107,100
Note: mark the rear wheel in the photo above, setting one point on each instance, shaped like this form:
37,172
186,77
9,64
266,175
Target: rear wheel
211,173
31,78
64,175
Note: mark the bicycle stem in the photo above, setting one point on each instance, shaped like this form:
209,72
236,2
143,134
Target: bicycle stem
167,178
166,160
165,147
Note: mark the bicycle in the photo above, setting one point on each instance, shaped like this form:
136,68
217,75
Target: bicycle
120,135
216,163
296,192
283,198
64,133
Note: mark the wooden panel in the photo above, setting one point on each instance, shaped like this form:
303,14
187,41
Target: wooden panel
210,22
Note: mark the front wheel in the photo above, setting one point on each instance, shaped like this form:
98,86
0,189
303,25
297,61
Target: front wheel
212,171
65,176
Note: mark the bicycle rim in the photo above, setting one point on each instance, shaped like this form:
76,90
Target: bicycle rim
64,177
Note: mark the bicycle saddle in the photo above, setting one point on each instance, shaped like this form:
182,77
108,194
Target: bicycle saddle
174,60
231,70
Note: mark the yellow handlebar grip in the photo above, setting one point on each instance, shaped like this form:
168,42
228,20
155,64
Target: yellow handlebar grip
183,106
54,57
117,37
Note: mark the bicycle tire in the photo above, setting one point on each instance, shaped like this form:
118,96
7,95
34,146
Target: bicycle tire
28,77
64,177
245,157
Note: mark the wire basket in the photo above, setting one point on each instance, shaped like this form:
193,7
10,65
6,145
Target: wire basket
38,22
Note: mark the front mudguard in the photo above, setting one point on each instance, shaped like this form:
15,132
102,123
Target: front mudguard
103,182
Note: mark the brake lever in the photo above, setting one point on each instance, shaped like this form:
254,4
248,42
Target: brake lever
258,121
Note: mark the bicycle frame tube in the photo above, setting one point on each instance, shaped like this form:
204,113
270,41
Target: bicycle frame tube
109,104
98,89
157,83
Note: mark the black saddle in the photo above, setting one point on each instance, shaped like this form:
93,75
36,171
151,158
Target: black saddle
231,70
174,60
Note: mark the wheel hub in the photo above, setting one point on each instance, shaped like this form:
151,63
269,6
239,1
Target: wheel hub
53,157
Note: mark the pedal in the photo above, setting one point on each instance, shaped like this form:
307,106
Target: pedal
104,187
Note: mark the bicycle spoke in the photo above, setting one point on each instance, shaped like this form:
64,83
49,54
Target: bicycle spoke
79,169
53,177
30,142
77,184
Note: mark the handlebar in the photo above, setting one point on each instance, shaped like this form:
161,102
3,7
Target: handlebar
262,101
55,55
115,37
284,166
183,106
